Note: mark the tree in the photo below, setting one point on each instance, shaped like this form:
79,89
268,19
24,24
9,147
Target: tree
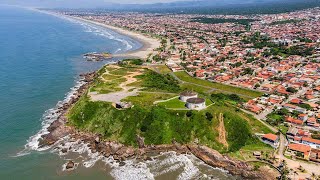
209,116
189,114
291,90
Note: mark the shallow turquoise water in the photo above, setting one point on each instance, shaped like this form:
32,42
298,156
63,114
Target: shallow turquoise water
40,59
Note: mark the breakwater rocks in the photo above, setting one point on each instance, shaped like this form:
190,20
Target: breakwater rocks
58,130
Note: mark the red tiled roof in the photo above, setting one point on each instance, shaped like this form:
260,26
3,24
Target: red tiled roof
300,147
296,101
270,136
311,140
294,121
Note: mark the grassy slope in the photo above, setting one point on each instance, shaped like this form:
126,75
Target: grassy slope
159,125
221,87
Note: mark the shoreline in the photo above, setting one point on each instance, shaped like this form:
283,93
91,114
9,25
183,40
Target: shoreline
148,43
59,128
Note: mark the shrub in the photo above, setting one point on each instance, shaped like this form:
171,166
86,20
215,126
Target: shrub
160,81
209,116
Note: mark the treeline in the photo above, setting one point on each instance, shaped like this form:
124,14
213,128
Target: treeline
245,22
285,21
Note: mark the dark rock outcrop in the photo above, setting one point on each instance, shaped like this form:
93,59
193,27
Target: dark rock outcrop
215,159
70,165
58,130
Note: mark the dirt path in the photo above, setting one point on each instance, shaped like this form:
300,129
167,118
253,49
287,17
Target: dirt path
222,132
116,97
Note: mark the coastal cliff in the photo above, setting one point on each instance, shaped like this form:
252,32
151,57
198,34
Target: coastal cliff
120,152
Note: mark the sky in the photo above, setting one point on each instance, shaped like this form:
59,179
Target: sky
104,3
46,2
140,1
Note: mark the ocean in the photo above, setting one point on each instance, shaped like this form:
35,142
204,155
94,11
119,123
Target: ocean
40,62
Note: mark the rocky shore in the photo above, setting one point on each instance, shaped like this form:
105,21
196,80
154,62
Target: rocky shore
58,130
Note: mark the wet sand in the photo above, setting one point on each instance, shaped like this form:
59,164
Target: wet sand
149,43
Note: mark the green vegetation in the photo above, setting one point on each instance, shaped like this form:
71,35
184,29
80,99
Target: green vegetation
220,87
163,69
158,123
147,99
289,21
104,87
246,152
315,135
261,41
245,22
234,125
305,106
277,117
153,80
223,98
136,62
177,104
173,104
283,128
199,89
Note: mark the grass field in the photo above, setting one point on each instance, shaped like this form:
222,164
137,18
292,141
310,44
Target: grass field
218,86
246,152
146,99
173,104
103,87
159,124
163,69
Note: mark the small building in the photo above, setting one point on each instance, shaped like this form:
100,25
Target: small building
291,133
184,96
315,155
257,154
300,150
314,143
303,117
196,103
271,139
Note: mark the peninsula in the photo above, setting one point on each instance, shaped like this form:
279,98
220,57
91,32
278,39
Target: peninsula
234,92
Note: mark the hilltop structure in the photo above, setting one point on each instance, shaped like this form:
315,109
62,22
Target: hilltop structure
196,103
184,96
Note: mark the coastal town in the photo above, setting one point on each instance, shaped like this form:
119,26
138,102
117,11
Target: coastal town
276,55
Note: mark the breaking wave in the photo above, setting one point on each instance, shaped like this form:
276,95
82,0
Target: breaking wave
48,117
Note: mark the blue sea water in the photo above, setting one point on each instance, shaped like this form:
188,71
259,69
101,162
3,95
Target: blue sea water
40,60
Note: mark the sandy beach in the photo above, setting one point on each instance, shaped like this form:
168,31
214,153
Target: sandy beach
149,43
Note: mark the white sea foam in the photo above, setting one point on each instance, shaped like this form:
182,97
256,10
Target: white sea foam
102,31
96,29
48,117
132,171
